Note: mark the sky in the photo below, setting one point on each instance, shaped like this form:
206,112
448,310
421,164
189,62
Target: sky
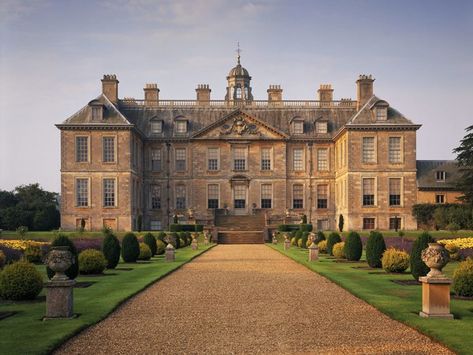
54,53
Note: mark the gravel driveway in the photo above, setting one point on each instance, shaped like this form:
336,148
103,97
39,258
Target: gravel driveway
248,299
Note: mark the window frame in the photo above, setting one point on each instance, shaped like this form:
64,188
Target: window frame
114,140
372,226
392,197
153,124
390,151
180,204
211,201
210,166
238,163
266,202
115,194
364,157
364,197
298,126
300,201
155,204
266,164
159,161
321,167
76,148
302,159
440,175
180,167
76,195
321,127
440,197
181,123
322,203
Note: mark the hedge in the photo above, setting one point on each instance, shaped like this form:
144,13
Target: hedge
295,227
186,227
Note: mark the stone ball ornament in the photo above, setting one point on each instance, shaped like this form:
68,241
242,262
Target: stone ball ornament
59,259
435,256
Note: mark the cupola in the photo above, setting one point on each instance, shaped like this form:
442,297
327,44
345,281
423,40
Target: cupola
238,83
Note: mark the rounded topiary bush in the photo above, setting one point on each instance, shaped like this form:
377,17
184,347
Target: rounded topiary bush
3,259
33,254
395,260
294,241
150,241
92,261
20,281
63,241
322,246
418,267
353,247
174,240
298,236
161,247
305,237
145,252
333,239
339,250
375,247
182,243
130,248
320,237
463,278
111,250
161,236
299,243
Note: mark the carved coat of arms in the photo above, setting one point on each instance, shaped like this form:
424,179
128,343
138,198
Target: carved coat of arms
240,127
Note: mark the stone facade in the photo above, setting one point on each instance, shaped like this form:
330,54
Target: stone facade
239,156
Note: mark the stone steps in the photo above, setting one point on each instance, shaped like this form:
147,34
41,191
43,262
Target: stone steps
240,237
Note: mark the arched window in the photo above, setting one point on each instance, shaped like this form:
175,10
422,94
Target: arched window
238,92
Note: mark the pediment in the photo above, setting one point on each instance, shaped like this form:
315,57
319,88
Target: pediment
239,125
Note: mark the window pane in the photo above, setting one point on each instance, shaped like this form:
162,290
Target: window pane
155,225
297,196
239,156
265,159
381,114
322,196
395,149
321,127
96,113
368,223
180,197
395,192
298,162
213,159
212,196
156,159
82,149
180,159
181,126
395,223
108,149
155,196
82,192
298,127
368,192
156,127
368,150
109,192
322,161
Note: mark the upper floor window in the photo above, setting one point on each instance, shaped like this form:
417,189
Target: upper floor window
97,113
266,159
395,150
297,196
322,196
212,195
82,149
108,146
156,160
298,126
180,197
322,159
266,195
381,113
82,192
368,192
369,154
321,127
440,175
239,159
298,159
155,196
395,192
181,127
156,127
180,159
439,198
109,192
213,159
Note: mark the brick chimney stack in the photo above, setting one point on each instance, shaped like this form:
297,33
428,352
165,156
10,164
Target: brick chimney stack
325,94
151,94
364,90
203,94
110,87
274,93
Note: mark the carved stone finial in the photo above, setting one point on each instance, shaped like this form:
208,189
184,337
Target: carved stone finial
435,257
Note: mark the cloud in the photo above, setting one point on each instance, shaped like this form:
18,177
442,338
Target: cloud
12,10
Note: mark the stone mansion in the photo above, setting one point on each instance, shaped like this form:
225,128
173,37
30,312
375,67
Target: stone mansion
128,161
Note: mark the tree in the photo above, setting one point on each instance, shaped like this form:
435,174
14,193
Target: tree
465,164
341,222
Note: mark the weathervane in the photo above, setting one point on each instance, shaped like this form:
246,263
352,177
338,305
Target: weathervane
238,50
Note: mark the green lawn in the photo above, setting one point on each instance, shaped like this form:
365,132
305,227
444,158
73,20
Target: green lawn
26,333
402,303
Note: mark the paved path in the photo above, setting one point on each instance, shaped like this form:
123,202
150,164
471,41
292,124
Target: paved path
248,299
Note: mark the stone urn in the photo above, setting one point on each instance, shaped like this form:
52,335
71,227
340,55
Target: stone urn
435,257
59,259
274,240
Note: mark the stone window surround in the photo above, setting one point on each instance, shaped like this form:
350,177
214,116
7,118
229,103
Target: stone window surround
365,222
270,149
209,192
209,157
302,167
88,148
401,153
89,195
391,220
375,150
176,149
327,159
292,195
266,197
115,149
375,204
401,178
115,192
234,148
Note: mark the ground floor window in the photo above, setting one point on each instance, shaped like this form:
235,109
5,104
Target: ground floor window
322,196
212,196
155,225
239,196
395,223
297,196
322,224
368,223
266,196
439,198
180,197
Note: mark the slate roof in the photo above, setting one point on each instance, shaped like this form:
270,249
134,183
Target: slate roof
426,174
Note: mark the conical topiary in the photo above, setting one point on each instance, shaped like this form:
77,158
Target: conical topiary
62,241
320,237
333,239
353,247
418,267
130,248
111,250
150,241
375,247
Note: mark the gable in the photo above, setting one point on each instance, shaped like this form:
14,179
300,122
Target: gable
239,125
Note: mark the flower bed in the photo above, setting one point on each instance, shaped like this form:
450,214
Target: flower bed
21,244
460,243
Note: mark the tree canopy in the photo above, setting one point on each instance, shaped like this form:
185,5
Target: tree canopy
465,164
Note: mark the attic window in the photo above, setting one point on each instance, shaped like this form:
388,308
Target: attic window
381,113
321,127
440,175
181,126
97,113
156,127
298,126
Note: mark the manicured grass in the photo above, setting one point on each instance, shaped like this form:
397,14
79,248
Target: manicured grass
402,303
26,333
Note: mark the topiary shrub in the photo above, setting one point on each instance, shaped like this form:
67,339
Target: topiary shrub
145,252
298,236
333,239
73,271
306,227
375,247
174,240
182,238
150,241
92,261
3,259
161,247
320,237
20,281
294,241
395,260
339,250
33,254
161,236
130,248
353,247
183,243
418,267
322,246
305,237
111,250
463,278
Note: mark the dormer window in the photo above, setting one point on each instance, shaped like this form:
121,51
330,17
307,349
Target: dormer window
156,127
321,127
381,113
97,113
181,127
298,126
440,175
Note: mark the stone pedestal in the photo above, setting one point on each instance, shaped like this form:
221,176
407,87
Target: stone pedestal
313,252
170,253
194,245
287,244
435,297
275,240
206,240
59,299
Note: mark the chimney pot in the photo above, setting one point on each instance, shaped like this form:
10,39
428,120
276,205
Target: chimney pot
110,87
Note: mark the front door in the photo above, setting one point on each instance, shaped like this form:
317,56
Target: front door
239,199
